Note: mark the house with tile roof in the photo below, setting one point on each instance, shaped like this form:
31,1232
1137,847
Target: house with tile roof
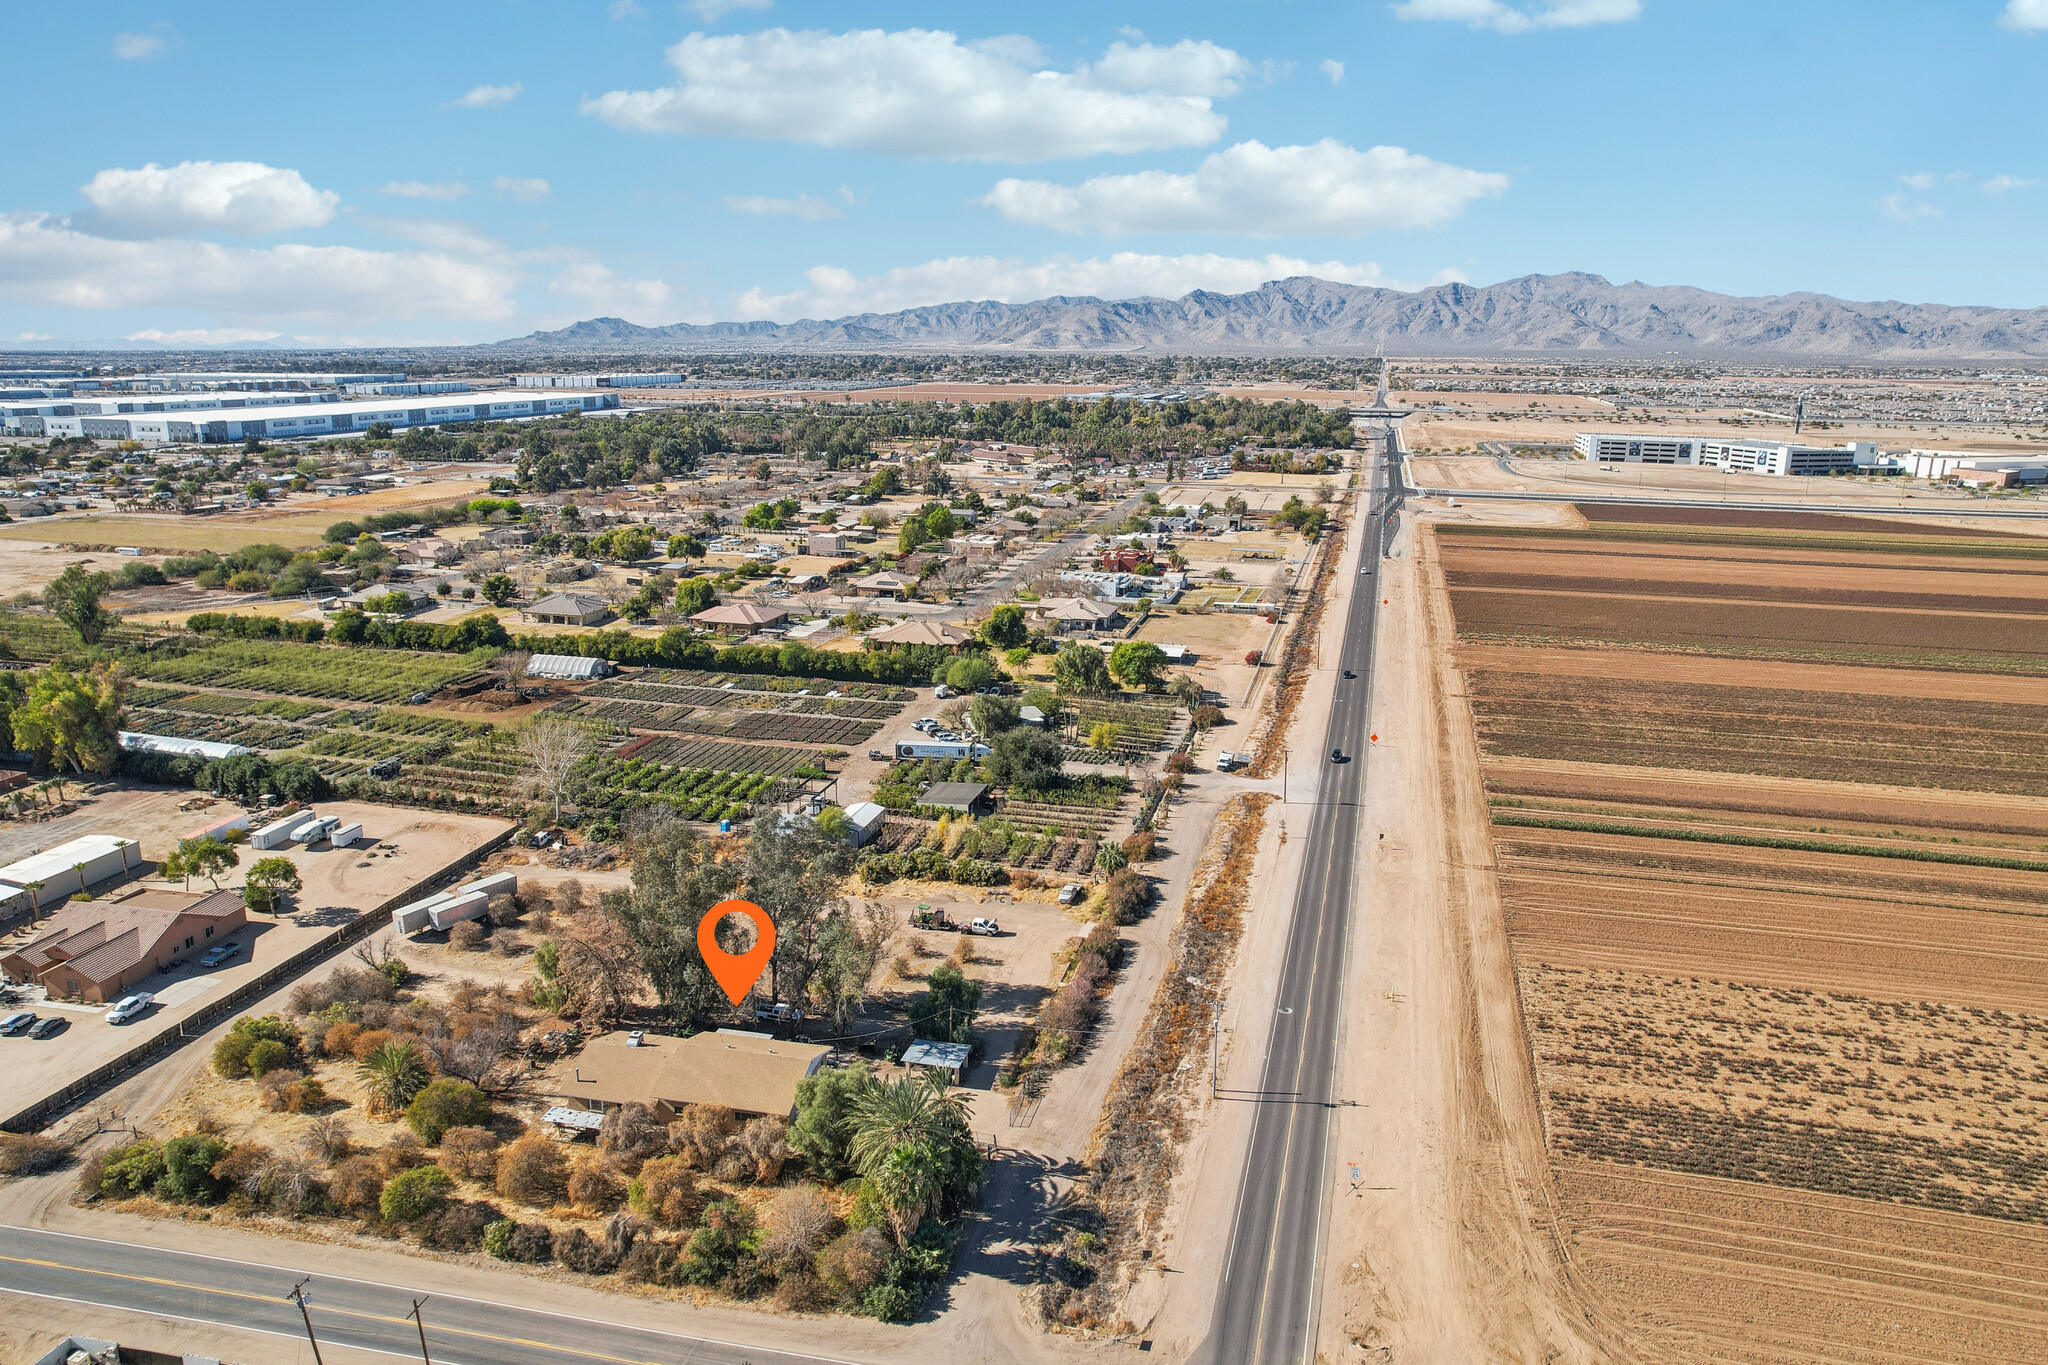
96,950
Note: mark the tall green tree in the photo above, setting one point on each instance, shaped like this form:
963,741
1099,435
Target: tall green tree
1005,627
675,880
1137,663
793,870
74,599
74,719
1080,668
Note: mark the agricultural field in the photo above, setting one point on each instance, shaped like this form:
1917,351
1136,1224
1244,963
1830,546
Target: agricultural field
737,706
1142,726
1770,809
298,670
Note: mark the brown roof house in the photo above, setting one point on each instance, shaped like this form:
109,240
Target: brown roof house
1078,613
569,609
748,1073
741,618
96,950
914,631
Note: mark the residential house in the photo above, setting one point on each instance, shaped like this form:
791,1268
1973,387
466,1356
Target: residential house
1069,614
920,632
568,609
825,543
97,950
751,1074
884,584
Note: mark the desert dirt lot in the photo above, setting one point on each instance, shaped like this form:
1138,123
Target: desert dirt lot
1774,922
401,848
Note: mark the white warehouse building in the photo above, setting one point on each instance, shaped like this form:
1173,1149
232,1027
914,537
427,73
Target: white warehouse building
1610,447
287,422
1780,458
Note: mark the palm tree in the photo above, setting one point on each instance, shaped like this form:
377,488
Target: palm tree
35,899
79,868
894,1114
396,1072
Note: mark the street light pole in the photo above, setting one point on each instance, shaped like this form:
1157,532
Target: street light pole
298,1296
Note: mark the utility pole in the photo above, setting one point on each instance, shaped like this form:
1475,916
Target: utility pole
420,1323
301,1298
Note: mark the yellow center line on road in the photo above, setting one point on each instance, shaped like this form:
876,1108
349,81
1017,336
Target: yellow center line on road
217,1292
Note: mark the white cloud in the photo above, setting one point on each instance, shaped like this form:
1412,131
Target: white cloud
438,234
711,11
1332,68
203,336
226,196
1919,180
831,292
1504,18
925,93
2000,184
2026,14
526,189
140,47
1905,209
808,207
1324,189
421,189
33,336
486,96
46,261
592,286
622,9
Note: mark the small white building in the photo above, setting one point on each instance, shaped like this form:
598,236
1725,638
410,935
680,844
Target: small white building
71,867
865,819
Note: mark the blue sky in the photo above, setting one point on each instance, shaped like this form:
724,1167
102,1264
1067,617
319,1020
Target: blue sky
465,172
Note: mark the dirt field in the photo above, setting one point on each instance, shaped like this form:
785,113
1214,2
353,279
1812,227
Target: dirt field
1775,928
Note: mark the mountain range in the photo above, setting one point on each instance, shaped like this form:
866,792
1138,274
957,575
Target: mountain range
1537,314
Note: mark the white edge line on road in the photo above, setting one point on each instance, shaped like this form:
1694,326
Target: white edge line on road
201,1322
460,1298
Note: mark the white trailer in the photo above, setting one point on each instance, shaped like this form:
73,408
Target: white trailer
468,905
341,836
278,833
310,831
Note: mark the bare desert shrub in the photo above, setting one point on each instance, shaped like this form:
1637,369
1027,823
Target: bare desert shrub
368,1041
466,937
326,1138
403,1153
357,1184
531,1243
470,1153
458,1227
798,1221
699,1133
340,1039
765,1142
665,1193
854,1262
577,1250
801,1291
533,1172
631,1134
31,1153
239,1166
595,1186
289,1186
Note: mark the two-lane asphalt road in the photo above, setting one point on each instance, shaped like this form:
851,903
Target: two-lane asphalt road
90,1272
1266,1305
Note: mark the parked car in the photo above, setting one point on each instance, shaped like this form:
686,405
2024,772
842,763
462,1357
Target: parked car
129,1006
1072,893
18,1022
49,1028
927,724
219,954
987,928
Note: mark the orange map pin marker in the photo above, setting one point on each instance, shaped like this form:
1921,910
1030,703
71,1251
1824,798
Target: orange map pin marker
736,973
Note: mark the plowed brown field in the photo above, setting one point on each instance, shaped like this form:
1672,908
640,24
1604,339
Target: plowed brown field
1787,1021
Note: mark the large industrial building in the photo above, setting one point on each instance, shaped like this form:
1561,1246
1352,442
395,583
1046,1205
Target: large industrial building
222,417
1780,458
1608,447
596,381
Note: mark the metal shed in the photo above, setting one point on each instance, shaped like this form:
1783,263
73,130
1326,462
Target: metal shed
71,867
